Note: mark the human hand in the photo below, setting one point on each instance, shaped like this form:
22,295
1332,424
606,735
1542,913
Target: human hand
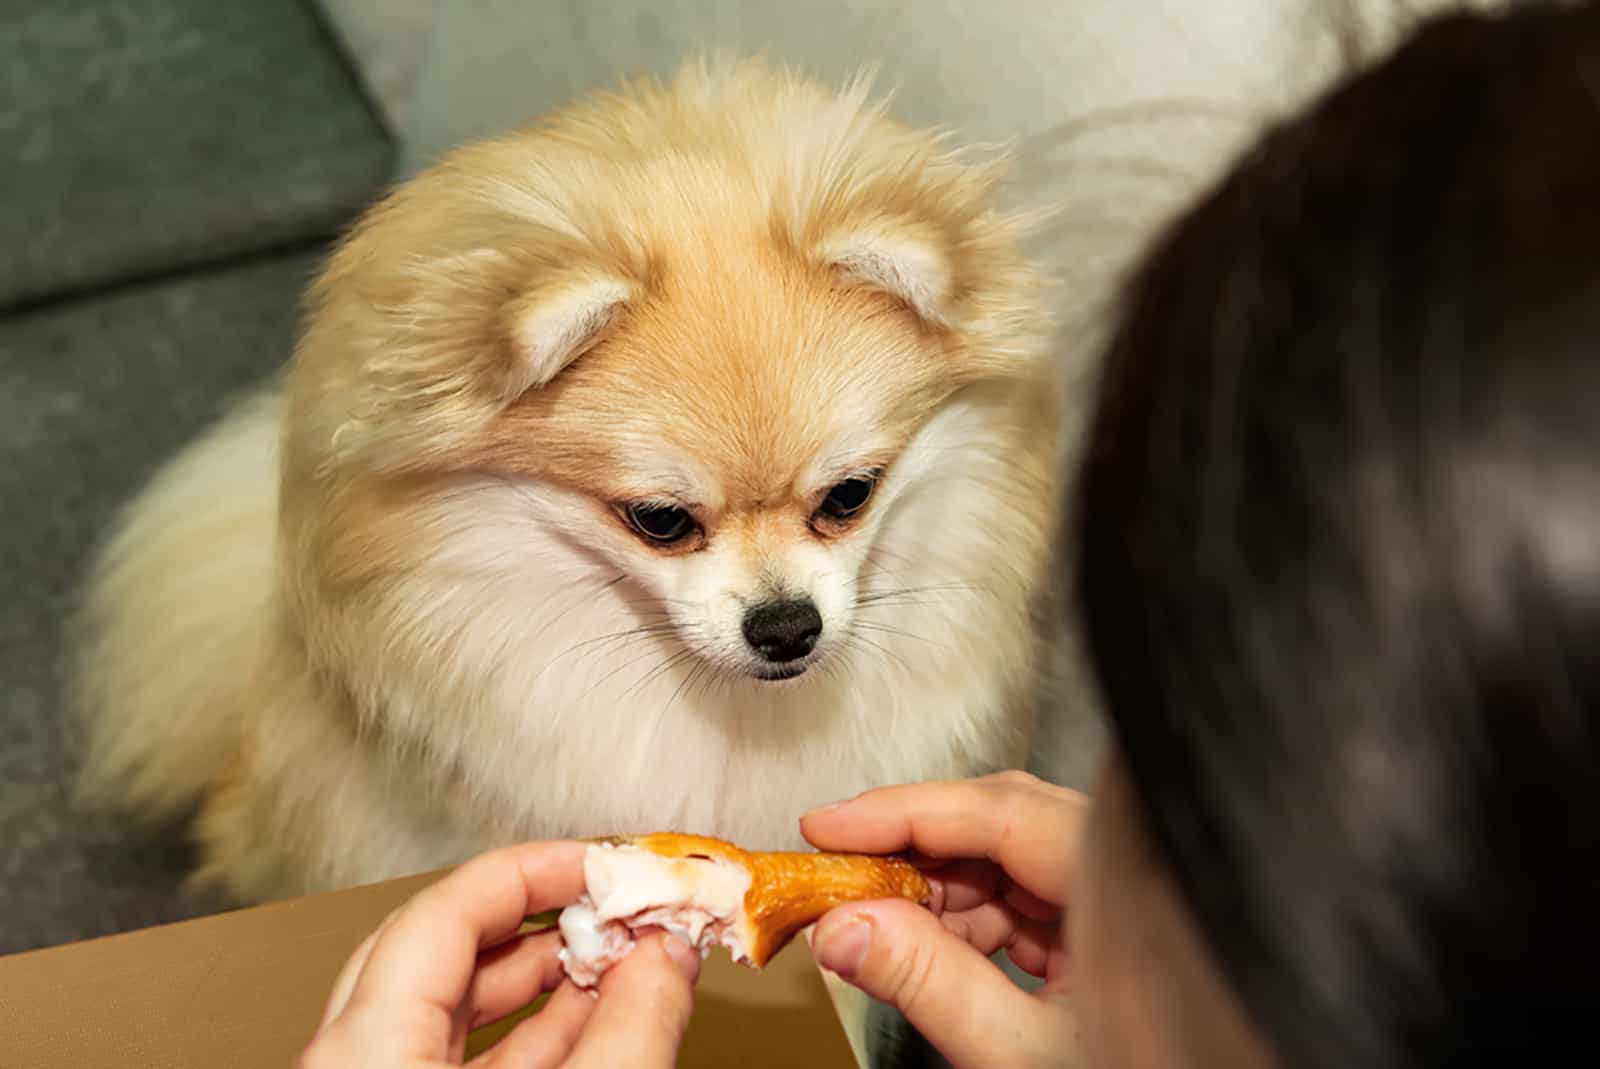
451,960
1002,852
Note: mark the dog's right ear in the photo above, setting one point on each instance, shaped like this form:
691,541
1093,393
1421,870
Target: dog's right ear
901,259
558,321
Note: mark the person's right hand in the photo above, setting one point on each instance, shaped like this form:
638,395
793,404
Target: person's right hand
1008,844
455,958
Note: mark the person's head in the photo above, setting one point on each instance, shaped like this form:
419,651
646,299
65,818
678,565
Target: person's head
1338,538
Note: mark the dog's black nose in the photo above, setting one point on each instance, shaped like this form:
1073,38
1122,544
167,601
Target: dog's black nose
783,631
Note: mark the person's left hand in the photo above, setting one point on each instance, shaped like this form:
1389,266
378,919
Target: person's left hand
451,960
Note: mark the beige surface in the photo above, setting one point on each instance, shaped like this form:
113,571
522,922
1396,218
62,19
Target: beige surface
244,990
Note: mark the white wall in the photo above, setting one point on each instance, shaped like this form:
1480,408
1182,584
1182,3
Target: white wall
389,40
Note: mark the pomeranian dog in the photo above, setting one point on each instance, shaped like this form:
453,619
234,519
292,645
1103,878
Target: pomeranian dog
682,462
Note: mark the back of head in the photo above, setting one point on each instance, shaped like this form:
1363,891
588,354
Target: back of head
1339,560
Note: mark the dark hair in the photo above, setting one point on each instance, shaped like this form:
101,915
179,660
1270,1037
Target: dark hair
1338,532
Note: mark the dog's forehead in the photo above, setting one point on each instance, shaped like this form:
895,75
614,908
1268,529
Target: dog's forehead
773,389
749,448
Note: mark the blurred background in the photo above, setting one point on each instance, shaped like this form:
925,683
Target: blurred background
171,171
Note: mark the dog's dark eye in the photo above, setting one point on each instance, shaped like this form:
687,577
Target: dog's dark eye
849,497
659,523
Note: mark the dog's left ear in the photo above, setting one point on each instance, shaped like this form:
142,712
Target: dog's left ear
904,260
558,321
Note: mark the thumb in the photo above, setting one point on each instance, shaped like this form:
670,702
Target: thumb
959,1000
643,1009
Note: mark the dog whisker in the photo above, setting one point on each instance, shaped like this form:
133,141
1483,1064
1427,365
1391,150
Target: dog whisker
898,632
682,685
887,652
650,649
589,645
877,597
649,676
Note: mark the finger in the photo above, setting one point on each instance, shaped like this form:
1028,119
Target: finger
965,884
544,1040
1030,905
344,985
1037,951
513,974
899,953
644,1007
429,953
993,926
985,928
1030,828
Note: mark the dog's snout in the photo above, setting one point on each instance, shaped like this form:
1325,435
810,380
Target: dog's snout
783,631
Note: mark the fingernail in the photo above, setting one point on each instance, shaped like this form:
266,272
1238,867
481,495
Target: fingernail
842,950
829,808
684,956
936,894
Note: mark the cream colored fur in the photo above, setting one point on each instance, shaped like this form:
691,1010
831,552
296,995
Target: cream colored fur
177,617
426,631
